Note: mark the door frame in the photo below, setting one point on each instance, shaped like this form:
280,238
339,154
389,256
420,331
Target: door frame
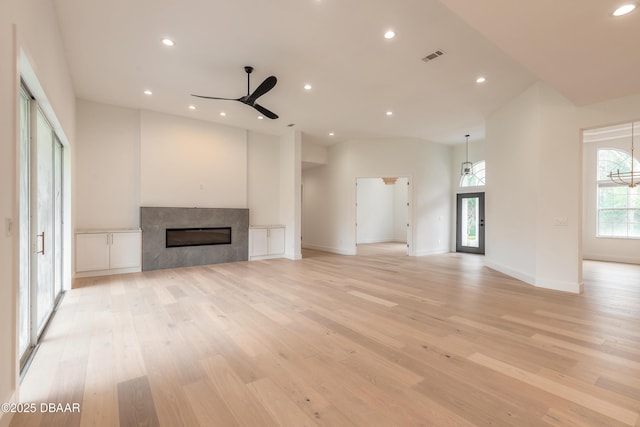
481,225
411,250
29,220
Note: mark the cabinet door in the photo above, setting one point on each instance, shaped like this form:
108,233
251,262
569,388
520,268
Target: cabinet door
92,251
276,241
126,250
259,243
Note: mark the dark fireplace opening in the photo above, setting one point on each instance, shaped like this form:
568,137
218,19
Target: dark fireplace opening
179,237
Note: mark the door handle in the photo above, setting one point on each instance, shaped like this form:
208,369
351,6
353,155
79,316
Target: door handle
42,237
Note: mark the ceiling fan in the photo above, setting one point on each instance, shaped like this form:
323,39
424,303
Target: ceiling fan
250,99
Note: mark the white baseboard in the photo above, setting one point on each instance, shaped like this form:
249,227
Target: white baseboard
562,286
524,277
95,273
554,285
432,252
262,257
293,256
338,251
611,258
366,241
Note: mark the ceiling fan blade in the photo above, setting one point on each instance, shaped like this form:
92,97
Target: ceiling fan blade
264,87
214,97
265,112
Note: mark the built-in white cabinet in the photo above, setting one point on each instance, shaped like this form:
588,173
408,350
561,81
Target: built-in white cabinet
266,241
104,252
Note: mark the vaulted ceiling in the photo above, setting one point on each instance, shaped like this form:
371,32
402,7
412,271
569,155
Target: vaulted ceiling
115,53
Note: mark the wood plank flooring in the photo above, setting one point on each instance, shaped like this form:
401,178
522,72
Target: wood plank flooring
374,340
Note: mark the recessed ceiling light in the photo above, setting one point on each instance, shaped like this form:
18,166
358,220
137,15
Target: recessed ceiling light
168,42
307,86
222,113
260,117
389,34
331,133
624,9
192,107
389,113
481,79
148,92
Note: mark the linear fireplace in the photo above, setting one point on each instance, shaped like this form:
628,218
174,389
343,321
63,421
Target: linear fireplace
183,237
180,237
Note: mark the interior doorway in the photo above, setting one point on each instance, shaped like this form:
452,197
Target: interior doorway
383,215
470,223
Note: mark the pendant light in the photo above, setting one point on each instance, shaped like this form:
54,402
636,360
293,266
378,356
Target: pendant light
467,167
629,179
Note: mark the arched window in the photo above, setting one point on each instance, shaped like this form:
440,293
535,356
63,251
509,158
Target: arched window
476,179
618,205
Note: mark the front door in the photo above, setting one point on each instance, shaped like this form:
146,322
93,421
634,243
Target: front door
470,223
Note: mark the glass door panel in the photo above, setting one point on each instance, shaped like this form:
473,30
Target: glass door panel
24,335
44,220
40,224
57,217
470,223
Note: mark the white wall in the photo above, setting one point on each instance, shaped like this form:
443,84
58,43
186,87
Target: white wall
537,138
330,192
107,167
263,179
291,192
36,34
400,209
374,211
382,211
313,154
109,160
559,247
511,205
8,209
533,167
191,163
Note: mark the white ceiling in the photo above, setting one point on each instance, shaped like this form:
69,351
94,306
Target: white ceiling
576,46
114,52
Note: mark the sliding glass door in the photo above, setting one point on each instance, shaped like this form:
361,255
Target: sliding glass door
40,223
24,323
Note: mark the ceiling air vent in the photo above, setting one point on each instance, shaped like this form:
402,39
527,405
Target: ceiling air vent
433,55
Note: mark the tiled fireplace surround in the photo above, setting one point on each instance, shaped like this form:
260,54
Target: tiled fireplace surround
155,220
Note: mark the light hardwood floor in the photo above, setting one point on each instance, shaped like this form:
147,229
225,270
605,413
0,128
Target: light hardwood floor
372,340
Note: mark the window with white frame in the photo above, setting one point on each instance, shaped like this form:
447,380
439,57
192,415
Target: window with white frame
618,206
476,178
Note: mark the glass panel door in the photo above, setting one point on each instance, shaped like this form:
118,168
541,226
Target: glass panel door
44,220
57,217
24,335
40,225
470,223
